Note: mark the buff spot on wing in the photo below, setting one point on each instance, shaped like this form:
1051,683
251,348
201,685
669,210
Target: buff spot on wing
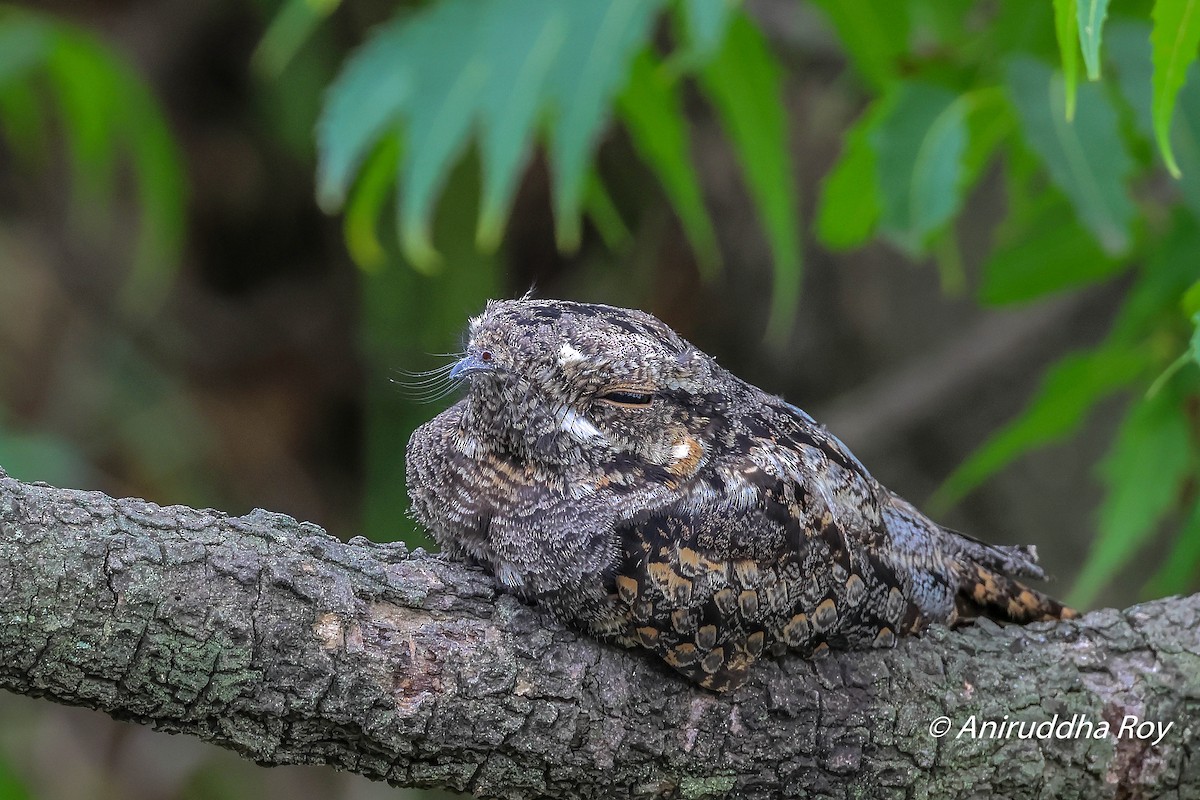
746,572
986,588
642,610
726,601
689,561
679,590
748,603
682,655
825,615
855,589
683,620
627,588
797,630
713,661
647,636
660,575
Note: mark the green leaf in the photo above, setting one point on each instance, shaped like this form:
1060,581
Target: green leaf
1191,299
85,86
744,83
1091,14
290,28
366,202
920,145
1065,28
109,110
1143,473
1046,252
1127,43
875,34
1174,40
1194,345
1186,142
498,65
367,97
653,113
849,205
1127,49
594,62
1179,569
23,43
1069,390
108,115
602,211
435,137
1152,302
511,103
1087,158
705,23
990,121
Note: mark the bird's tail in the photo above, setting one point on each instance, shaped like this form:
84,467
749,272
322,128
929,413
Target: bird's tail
984,592
984,576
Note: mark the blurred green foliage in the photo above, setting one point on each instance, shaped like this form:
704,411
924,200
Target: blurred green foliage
510,75
107,116
437,116
1069,153
58,82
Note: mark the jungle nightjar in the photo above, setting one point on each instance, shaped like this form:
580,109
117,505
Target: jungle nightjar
605,468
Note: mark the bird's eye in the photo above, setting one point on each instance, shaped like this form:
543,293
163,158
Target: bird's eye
627,398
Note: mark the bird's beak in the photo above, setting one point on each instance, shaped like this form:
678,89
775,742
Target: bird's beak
468,365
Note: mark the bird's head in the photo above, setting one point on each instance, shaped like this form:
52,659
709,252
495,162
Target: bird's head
559,382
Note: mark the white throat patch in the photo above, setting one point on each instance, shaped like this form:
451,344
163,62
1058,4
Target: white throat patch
568,355
578,426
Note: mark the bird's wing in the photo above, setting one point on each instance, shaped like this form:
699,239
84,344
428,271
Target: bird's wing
771,545
948,575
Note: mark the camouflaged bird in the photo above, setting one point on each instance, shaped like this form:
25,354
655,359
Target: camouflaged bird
605,468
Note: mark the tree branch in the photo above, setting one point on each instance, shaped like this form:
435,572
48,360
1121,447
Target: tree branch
276,640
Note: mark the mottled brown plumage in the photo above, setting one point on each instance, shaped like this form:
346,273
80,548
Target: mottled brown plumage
605,468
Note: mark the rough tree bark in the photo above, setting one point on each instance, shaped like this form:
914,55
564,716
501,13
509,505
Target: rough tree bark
276,640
